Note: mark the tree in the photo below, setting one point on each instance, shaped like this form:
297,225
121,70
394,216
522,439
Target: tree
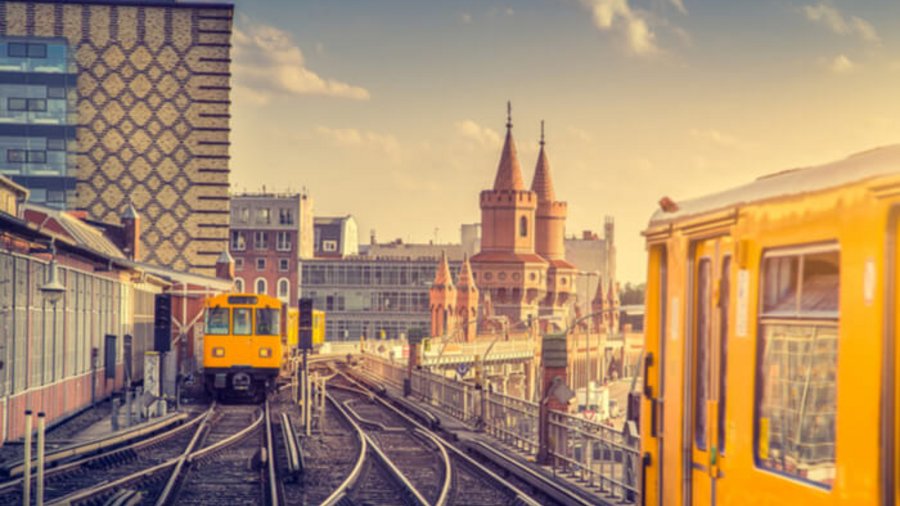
632,294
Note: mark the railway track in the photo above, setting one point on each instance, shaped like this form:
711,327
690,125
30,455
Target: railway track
87,471
437,473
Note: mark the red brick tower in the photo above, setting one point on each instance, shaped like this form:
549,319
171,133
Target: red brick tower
467,301
597,306
442,297
550,229
507,267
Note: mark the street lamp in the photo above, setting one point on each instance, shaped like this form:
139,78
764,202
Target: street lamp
53,290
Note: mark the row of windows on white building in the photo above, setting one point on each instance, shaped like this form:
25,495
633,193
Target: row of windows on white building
262,216
260,240
261,287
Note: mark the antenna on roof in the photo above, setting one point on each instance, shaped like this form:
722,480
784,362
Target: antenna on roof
508,114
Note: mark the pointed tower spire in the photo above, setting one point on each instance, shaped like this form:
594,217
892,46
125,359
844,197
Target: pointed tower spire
467,301
509,173
442,275
542,184
465,273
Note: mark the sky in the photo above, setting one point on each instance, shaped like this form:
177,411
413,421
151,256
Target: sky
394,111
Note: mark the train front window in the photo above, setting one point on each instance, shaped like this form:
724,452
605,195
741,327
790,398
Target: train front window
268,322
217,321
242,325
796,393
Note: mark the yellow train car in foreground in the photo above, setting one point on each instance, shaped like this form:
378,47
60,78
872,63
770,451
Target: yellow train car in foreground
242,346
771,367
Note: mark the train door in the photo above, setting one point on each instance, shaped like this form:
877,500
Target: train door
707,372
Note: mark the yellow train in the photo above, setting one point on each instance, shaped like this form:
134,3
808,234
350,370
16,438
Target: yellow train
243,346
771,341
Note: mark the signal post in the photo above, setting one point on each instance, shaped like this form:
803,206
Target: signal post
305,342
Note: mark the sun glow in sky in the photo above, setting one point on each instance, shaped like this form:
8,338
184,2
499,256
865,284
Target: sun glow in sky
394,111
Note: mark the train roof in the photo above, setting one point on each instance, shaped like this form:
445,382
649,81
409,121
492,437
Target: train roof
855,168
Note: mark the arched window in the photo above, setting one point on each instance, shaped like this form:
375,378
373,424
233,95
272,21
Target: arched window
284,289
261,287
523,227
239,285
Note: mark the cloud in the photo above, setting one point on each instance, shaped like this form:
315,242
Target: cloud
679,4
268,62
832,19
840,64
483,136
631,25
718,138
465,17
361,139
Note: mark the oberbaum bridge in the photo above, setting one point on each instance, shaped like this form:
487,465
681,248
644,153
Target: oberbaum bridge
505,356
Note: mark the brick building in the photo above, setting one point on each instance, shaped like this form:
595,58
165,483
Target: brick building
270,233
123,102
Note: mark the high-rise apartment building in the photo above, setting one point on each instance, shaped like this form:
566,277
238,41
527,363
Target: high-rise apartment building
109,103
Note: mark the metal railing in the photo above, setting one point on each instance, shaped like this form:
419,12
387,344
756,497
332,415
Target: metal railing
602,457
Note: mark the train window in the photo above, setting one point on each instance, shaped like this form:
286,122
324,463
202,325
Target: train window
217,321
268,322
242,326
703,330
797,388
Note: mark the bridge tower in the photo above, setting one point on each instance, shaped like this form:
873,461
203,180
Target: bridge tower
467,301
442,298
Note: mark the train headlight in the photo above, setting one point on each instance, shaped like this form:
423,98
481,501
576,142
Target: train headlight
218,352
265,352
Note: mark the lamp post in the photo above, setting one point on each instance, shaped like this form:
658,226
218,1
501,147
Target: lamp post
587,337
52,292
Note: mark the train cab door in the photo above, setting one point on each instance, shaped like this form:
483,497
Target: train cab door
706,373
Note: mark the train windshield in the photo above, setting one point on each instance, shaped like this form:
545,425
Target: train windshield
217,321
242,326
268,322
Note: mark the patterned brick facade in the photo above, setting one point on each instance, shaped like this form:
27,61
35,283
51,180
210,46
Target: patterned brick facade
153,91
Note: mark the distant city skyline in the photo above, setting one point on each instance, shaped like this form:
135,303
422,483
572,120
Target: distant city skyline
383,109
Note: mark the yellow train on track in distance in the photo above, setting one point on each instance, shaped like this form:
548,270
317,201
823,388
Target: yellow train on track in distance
249,342
771,364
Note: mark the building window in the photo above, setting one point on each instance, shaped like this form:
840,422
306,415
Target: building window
329,246
239,285
284,264
796,396
260,240
285,217
261,288
263,216
260,264
238,243
26,104
244,214
283,241
56,92
26,50
239,264
56,144
284,289
523,227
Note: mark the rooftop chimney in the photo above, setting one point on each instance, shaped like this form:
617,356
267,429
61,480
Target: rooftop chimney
131,227
225,266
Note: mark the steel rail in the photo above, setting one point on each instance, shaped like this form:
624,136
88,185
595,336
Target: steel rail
62,468
521,496
98,445
173,478
270,459
104,487
289,438
448,467
351,479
